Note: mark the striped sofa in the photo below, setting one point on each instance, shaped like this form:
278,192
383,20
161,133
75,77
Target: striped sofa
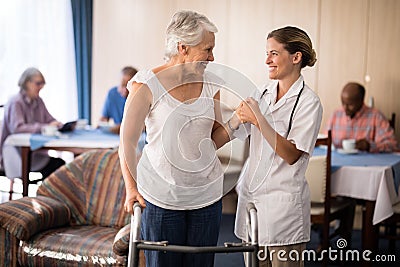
77,218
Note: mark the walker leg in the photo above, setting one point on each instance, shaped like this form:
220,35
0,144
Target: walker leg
252,227
133,255
254,258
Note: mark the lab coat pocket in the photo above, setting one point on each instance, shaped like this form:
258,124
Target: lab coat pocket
282,219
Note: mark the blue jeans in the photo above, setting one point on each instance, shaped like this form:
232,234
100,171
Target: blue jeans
198,227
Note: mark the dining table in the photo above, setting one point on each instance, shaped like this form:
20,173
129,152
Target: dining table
372,179
77,142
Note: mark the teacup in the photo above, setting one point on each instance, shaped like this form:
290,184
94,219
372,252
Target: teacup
81,124
349,144
49,130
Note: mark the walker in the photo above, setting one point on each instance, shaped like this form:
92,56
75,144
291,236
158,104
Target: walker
250,246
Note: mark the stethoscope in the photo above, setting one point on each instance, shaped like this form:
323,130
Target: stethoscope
294,107
259,184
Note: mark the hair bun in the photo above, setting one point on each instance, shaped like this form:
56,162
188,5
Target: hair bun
313,58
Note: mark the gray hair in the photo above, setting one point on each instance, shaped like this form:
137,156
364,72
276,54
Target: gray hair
186,27
27,75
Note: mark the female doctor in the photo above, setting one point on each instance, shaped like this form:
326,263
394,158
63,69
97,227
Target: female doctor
283,120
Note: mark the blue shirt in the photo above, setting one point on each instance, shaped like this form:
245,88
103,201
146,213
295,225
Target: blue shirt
114,106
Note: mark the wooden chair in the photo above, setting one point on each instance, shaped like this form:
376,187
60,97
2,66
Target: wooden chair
2,172
392,120
390,228
324,207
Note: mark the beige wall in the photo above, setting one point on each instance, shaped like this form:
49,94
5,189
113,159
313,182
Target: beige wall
353,39
359,42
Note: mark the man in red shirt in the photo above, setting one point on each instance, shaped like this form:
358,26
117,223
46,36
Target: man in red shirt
354,120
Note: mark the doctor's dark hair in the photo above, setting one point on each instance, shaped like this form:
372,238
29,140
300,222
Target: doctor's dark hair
186,27
27,76
296,40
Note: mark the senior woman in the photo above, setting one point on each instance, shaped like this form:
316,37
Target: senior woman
178,178
27,113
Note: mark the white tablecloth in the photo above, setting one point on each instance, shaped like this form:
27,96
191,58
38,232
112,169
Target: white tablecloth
367,176
373,183
79,139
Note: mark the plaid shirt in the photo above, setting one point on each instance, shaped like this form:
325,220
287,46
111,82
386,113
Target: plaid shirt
368,123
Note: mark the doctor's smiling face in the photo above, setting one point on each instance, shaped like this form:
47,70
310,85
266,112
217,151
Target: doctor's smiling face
280,62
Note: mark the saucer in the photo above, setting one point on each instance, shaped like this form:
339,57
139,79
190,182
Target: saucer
105,128
350,151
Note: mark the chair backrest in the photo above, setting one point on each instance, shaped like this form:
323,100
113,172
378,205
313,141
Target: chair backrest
1,115
2,173
316,178
392,120
318,173
92,186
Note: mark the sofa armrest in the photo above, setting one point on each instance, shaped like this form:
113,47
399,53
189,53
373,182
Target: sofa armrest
9,245
121,241
29,215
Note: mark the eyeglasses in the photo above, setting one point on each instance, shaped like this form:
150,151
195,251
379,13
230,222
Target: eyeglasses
39,83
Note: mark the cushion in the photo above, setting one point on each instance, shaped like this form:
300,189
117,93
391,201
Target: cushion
71,246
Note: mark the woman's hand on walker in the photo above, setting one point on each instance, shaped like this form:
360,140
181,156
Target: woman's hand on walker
132,197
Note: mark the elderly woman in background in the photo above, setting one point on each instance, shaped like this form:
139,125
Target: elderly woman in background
178,179
27,113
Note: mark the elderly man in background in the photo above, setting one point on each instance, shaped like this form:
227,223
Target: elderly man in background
354,120
114,104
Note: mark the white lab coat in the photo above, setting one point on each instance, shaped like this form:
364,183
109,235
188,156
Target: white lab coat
279,190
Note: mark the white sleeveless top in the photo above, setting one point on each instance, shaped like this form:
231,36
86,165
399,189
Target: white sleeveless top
179,168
